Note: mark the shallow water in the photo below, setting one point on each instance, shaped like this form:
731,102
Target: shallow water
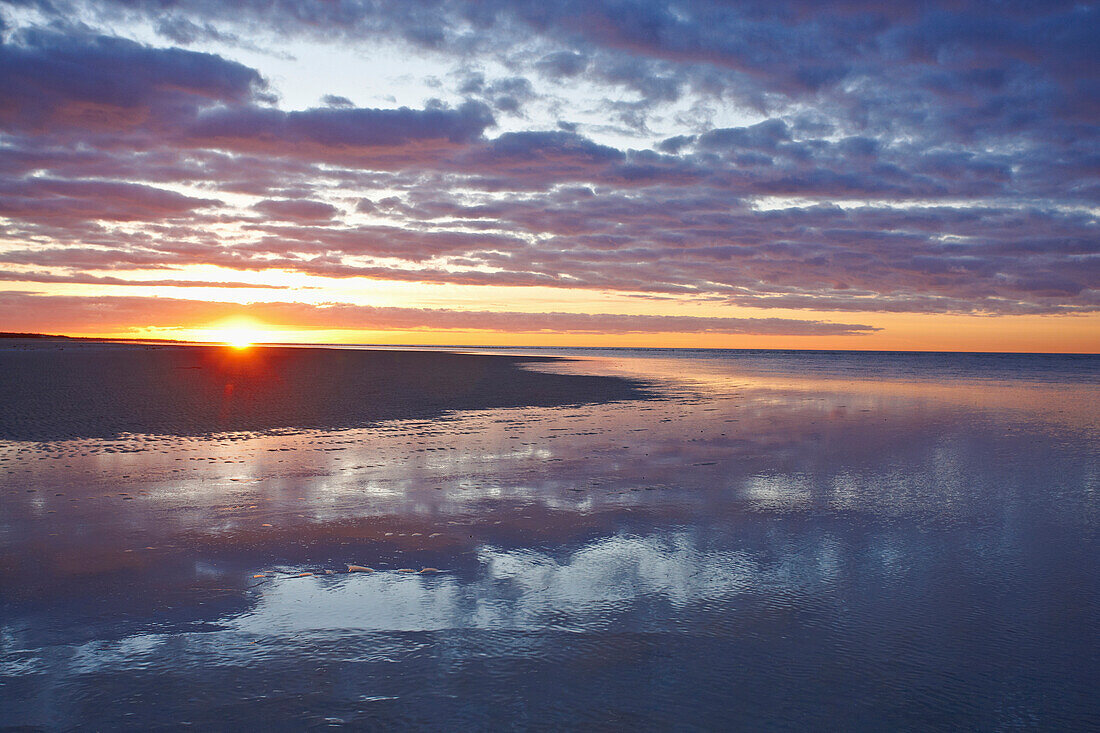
782,541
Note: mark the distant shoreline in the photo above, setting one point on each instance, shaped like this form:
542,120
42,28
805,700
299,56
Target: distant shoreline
15,335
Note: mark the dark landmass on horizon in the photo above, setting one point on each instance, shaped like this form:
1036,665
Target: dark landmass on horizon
103,390
108,339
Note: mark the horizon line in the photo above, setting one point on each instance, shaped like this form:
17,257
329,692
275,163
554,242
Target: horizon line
16,335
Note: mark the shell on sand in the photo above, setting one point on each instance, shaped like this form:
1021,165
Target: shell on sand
359,569
406,570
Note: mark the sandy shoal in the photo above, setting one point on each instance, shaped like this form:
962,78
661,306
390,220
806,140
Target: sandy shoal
61,390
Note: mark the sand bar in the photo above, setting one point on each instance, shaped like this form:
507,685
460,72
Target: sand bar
61,390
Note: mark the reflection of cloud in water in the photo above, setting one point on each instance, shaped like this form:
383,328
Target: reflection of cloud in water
773,491
612,583
515,589
614,572
603,584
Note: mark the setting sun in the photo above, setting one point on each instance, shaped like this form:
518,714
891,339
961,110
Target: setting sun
239,334
238,340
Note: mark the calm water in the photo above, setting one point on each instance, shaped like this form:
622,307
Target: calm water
781,541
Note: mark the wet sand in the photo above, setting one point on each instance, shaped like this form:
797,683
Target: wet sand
57,390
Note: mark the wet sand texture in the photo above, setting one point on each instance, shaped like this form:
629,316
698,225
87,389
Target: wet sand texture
60,391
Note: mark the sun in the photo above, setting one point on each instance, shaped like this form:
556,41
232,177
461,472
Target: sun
238,339
237,334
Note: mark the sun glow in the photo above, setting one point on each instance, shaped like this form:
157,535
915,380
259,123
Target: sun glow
238,334
239,340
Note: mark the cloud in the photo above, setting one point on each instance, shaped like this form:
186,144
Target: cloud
87,279
854,156
51,82
695,243
562,64
505,94
324,131
334,100
51,313
296,210
57,200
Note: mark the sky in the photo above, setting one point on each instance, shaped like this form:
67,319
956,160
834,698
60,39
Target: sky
757,174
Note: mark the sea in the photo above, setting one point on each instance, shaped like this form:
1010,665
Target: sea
771,540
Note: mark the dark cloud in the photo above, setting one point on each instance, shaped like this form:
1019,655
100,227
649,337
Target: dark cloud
333,100
326,130
786,47
51,81
562,64
763,137
553,155
296,210
50,199
185,32
505,94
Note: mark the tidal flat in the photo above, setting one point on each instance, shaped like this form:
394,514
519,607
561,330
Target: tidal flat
652,540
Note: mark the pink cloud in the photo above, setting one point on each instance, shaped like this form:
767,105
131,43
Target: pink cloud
49,313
